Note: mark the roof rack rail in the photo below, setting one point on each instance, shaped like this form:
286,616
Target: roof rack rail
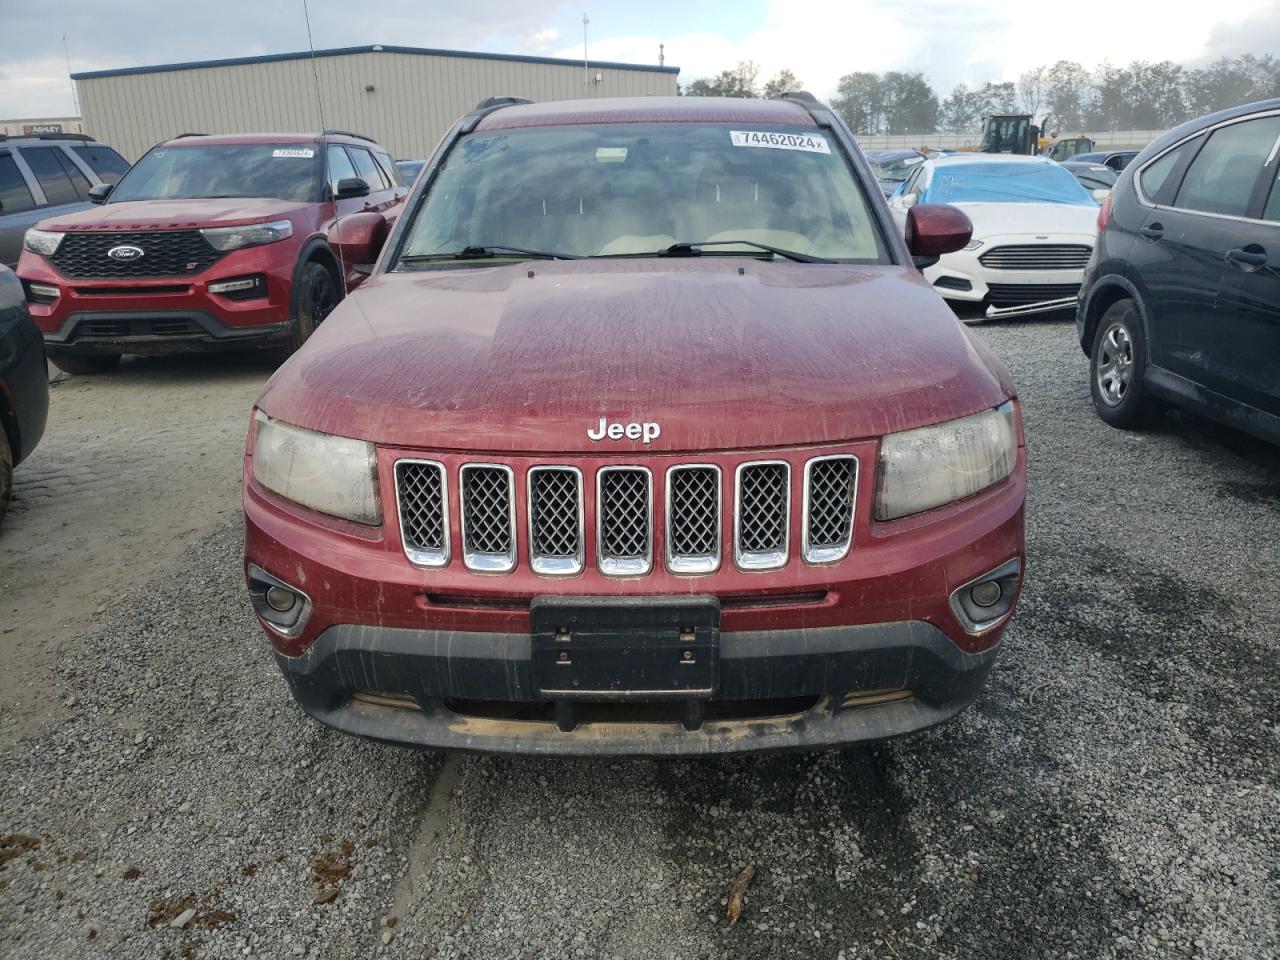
821,114
486,107
47,136
188,134
346,133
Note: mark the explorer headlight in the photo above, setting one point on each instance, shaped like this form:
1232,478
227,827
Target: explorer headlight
250,235
926,468
333,475
44,242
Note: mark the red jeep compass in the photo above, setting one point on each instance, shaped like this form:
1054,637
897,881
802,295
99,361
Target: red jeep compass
210,242
645,436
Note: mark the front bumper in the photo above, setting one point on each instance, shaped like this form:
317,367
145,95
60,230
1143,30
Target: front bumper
160,331
166,314
778,689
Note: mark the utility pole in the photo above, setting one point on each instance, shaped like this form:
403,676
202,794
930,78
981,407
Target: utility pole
75,97
586,65
662,54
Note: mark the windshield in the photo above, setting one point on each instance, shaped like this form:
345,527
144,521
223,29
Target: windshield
284,171
1006,183
635,189
895,170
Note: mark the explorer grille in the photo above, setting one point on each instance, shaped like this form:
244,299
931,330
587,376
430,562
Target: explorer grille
556,511
165,253
1037,256
829,491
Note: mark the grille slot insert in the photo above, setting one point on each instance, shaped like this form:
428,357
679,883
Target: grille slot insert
693,518
1021,294
624,521
830,493
165,253
555,520
422,494
488,518
762,514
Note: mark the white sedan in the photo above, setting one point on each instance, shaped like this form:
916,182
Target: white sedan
1034,227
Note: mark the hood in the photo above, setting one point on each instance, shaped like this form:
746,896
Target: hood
721,353
1035,219
173,214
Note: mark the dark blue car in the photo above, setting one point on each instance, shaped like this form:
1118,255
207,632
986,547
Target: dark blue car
1181,300
24,382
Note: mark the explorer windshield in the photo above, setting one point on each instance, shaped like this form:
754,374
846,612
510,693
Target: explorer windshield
634,189
284,171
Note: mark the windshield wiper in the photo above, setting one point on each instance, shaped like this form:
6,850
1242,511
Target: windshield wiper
691,248
483,253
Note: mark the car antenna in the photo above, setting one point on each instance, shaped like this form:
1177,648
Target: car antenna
324,154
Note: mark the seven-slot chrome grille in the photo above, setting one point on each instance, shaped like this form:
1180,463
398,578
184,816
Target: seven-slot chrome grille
1037,256
694,525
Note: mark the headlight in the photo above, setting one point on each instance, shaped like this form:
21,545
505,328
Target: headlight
925,468
253,235
42,241
334,475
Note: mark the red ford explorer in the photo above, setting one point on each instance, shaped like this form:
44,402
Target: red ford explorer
644,437
210,242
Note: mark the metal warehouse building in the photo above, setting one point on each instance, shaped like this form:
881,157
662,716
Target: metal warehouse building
404,97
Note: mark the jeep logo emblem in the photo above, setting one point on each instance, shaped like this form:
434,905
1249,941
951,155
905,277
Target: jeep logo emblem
647,432
125,251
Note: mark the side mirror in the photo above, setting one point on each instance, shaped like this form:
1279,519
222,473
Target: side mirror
100,192
359,239
934,229
1100,194
350,187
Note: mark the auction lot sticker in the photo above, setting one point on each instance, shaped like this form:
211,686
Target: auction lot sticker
779,141
300,153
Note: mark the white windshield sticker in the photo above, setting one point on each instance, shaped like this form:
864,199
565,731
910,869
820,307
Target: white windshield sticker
911,160
301,153
810,142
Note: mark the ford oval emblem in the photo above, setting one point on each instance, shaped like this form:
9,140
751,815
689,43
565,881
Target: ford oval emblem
125,251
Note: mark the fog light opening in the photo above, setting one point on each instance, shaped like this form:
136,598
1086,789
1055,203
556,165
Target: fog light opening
985,601
282,608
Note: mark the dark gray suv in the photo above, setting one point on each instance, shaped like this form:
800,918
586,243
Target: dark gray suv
48,173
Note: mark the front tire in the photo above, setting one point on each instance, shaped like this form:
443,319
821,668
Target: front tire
317,296
83,363
1117,365
6,473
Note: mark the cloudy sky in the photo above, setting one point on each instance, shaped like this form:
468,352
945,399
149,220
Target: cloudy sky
952,41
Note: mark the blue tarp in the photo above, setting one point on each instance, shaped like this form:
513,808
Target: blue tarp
1006,183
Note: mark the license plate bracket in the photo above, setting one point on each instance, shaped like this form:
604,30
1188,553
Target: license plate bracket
626,648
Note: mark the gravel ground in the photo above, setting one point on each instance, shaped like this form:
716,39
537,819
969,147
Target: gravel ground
1115,793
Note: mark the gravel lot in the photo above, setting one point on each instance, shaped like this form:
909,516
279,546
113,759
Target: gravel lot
1116,792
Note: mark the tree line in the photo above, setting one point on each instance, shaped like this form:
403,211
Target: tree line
1069,97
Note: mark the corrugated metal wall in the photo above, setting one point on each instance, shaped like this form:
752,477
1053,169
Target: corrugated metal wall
416,97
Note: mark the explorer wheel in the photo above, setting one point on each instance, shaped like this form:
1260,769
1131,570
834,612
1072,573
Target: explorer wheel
317,296
81,363
1116,366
